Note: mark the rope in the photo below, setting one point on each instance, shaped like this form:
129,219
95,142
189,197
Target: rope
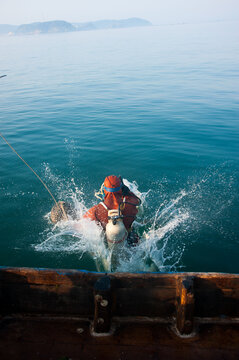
100,194
61,208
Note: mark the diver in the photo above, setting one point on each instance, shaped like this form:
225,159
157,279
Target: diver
116,196
115,213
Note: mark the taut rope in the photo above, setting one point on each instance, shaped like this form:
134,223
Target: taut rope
61,208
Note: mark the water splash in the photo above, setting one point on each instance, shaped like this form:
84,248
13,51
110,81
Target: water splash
152,252
84,236
170,220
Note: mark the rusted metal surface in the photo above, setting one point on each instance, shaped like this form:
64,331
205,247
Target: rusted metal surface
71,314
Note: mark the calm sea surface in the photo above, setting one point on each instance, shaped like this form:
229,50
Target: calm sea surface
158,105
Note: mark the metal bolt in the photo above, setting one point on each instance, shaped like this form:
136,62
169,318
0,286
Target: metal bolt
100,321
104,303
79,330
98,298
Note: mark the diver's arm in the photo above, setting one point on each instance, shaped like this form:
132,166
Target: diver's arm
90,214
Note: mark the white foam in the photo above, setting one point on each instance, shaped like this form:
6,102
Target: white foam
84,236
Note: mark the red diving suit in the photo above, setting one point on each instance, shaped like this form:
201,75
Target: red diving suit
115,193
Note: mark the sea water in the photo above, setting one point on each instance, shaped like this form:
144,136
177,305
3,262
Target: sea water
158,105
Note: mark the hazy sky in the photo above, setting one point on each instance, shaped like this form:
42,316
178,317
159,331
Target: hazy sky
157,11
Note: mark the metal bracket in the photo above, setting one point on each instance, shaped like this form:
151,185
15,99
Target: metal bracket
103,304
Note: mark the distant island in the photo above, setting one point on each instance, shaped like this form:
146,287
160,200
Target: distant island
112,24
59,26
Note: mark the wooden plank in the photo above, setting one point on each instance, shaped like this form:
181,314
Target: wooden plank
221,281
81,278
47,299
139,302
216,302
185,305
153,295
48,277
202,280
77,300
130,302
122,280
144,281
45,339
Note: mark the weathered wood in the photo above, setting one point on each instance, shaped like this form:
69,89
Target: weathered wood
216,302
121,280
58,299
38,306
66,338
154,301
153,295
103,304
185,305
48,277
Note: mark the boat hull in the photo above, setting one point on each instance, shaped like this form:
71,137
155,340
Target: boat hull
71,314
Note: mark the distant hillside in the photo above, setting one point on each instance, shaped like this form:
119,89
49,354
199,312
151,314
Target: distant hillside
111,24
5,29
45,27
64,26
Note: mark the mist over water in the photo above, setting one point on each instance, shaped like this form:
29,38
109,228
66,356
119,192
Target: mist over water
158,106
